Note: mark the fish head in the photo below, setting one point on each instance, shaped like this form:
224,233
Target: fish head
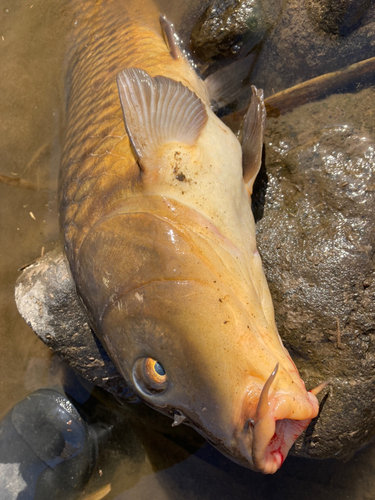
189,347
186,353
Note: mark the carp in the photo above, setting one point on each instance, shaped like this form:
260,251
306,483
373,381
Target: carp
159,234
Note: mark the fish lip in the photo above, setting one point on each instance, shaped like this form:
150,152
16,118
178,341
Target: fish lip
283,434
266,443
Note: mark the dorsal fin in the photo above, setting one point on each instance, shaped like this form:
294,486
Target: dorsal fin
170,37
252,137
158,111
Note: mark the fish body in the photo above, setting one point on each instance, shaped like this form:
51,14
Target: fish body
160,238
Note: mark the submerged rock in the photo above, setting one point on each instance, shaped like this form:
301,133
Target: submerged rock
317,240
229,29
339,17
303,44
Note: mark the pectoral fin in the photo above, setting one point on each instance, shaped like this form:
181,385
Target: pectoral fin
158,111
252,138
231,83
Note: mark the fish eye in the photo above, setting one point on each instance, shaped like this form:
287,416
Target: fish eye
149,376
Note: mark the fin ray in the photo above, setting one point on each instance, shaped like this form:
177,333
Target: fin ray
158,110
169,37
231,83
252,138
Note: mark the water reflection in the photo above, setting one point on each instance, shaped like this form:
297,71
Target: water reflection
142,456
139,454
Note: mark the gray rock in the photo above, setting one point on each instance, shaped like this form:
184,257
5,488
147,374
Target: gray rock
316,235
47,300
304,43
228,29
337,17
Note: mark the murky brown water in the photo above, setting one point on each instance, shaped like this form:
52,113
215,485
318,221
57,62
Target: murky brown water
30,94
144,457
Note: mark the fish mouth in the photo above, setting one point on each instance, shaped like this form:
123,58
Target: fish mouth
274,434
265,439
265,443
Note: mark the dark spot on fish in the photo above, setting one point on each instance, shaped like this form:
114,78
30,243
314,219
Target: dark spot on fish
180,177
225,322
220,300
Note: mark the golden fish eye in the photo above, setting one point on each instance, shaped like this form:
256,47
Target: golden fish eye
154,371
150,376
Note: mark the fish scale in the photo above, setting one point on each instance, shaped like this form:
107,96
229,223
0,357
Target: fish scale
95,61
93,93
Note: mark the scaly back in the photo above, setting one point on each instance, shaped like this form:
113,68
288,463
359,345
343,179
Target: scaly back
99,168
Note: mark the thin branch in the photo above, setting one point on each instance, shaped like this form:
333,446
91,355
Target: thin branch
319,87
311,90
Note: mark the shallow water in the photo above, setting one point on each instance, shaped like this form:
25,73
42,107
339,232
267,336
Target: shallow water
143,457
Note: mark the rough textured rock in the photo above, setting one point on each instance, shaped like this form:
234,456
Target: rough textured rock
338,17
316,235
228,29
299,47
47,300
